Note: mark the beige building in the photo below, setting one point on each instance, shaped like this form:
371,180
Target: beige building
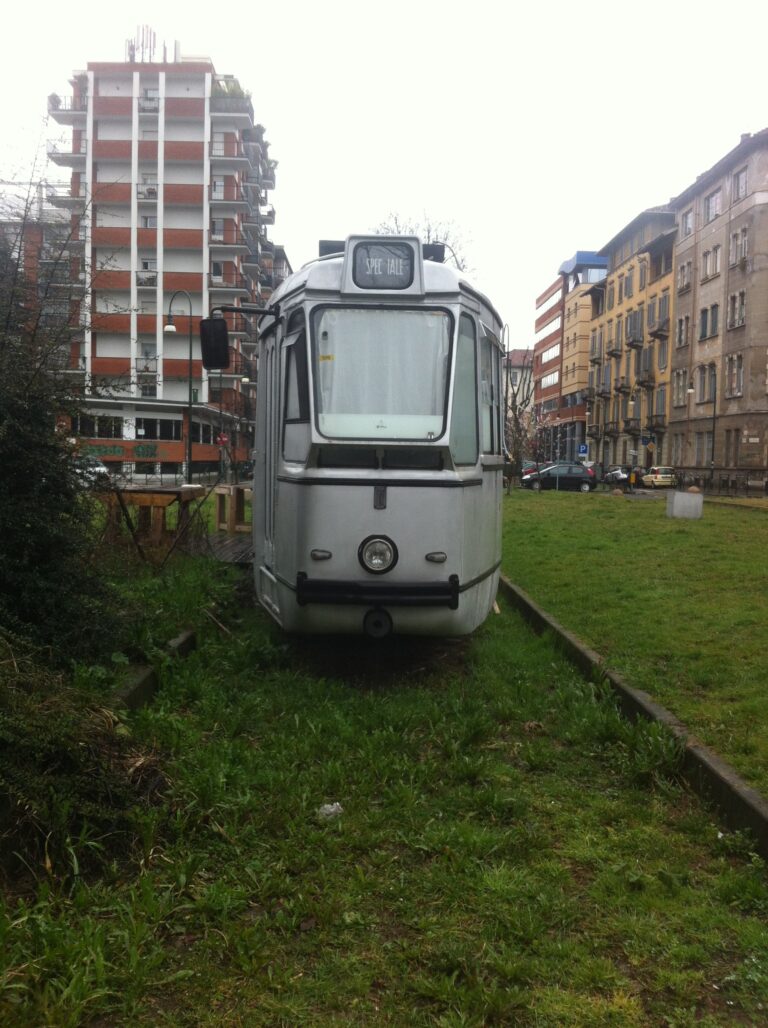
719,409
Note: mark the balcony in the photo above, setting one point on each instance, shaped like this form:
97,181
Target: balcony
612,348
252,259
228,238
149,105
590,393
229,195
593,431
236,108
61,196
267,215
147,191
595,356
612,428
604,389
233,283
632,426
146,279
660,330
635,340
621,385
646,377
228,151
657,422
67,110
68,156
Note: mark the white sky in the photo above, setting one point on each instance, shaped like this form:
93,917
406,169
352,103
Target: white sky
535,132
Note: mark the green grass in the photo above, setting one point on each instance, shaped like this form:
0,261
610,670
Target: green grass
678,607
510,852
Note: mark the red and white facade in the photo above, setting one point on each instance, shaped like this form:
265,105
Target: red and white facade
169,199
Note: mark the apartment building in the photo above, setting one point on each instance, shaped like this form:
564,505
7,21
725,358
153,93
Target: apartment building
629,352
559,357
169,205
719,404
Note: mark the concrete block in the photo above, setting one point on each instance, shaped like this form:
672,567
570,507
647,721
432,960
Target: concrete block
684,505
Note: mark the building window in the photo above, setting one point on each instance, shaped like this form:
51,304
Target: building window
738,247
740,184
683,326
734,375
716,250
714,318
643,275
686,222
148,221
629,286
737,309
684,275
712,206
551,379
705,262
663,353
702,378
703,323
550,353
610,297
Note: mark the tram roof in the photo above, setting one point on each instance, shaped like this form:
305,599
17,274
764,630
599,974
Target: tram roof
326,275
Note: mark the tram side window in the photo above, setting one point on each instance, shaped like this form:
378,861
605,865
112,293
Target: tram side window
296,428
464,414
490,412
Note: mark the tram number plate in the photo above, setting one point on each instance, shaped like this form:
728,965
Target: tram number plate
383,265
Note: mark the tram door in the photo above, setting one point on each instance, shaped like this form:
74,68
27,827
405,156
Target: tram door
266,449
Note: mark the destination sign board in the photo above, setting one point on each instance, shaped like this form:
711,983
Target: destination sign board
382,265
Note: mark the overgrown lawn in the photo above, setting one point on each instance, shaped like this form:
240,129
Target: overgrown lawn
508,851
679,607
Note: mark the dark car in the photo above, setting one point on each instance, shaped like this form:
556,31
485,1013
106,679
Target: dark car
561,476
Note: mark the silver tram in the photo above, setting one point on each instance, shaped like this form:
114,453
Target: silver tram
379,447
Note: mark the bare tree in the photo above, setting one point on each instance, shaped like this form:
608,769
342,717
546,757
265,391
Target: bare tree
519,414
428,231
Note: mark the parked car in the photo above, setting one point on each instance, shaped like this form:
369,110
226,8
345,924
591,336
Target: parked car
617,474
660,477
561,476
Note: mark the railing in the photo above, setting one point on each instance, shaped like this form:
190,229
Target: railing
146,279
632,426
146,190
238,282
67,103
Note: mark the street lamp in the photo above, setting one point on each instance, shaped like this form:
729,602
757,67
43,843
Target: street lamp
171,328
713,380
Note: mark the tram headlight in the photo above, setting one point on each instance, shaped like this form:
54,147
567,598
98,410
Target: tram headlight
377,554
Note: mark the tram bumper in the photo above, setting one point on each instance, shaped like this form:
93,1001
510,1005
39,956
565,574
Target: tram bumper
378,594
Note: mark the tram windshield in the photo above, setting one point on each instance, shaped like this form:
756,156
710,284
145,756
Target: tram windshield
381,373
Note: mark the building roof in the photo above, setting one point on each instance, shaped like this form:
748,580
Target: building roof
583,259
746,145
648,215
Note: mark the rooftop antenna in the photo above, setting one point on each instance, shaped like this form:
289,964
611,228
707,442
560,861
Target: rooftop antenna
142,46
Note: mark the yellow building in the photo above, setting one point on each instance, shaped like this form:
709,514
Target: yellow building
629,355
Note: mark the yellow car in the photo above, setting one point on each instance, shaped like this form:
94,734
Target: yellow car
660,477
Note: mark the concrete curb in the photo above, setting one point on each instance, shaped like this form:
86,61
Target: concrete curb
144,681
740,806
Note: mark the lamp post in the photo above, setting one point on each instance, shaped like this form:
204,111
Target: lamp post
713,380
171,328
690,391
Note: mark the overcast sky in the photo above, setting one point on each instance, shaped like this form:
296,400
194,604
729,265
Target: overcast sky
534,133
